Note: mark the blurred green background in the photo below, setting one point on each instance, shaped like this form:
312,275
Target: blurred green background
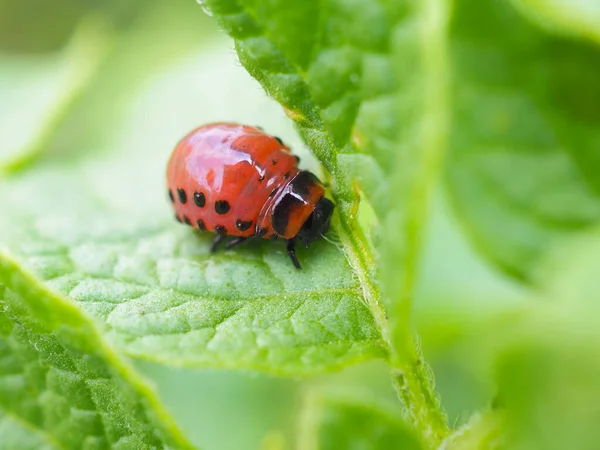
83,81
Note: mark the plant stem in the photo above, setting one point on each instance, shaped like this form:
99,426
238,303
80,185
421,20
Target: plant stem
414,386
409,374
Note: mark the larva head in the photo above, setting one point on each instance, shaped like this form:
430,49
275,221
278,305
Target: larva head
317,223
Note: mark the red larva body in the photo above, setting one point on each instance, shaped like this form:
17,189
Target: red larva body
237,180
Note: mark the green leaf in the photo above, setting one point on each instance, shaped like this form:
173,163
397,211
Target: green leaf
332,423
115,250
63,386
522,171
164,297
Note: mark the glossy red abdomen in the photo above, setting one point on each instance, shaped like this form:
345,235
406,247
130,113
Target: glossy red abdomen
233,180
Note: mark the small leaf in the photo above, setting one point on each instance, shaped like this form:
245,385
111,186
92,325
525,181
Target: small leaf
335,423
63,381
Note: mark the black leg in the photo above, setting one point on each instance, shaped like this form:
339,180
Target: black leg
235,242
292,254
216,241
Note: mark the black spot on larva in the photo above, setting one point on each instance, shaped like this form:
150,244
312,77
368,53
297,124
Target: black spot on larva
297,159
279,140
220,229
171,196
261,232
272,193
274,161
199,199
187,220
243,225
201,225
222,206
177,218
262,177
259,127
286,175
182,195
